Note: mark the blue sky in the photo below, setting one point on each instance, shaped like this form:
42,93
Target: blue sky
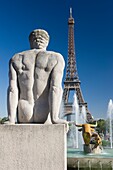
93,42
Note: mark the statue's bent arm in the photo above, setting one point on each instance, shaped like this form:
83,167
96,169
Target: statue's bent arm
56,91
12,94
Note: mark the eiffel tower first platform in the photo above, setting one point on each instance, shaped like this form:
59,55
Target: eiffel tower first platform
72,82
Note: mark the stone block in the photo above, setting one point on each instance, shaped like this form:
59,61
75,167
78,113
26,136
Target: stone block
33,147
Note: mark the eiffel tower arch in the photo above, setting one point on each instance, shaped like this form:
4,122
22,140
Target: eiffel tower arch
72,82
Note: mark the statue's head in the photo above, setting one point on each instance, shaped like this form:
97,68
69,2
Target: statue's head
38,39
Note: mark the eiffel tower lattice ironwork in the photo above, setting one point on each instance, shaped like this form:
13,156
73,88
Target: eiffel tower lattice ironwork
72,81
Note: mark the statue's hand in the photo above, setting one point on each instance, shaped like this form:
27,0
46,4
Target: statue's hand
11,122
61,121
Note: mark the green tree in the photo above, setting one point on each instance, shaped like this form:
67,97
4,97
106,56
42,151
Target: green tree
101,126
3,120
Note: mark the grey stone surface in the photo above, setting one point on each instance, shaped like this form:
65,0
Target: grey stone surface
35,82
33,147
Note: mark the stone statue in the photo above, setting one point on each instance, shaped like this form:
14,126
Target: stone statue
35,78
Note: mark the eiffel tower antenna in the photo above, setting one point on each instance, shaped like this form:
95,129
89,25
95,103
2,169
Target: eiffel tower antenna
72,82
70,12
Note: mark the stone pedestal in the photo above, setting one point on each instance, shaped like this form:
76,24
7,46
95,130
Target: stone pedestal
33,147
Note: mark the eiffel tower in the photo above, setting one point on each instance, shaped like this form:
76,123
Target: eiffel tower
72,82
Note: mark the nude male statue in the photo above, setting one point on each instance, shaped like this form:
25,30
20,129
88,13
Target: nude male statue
35,82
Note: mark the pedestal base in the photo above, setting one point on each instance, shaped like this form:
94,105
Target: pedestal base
33,147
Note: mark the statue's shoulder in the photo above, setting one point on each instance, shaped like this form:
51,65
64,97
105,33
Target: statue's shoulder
56,55
51,53
17,56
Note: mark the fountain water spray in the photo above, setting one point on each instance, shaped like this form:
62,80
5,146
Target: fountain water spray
110,113
83,115
76,112
61,112
80,118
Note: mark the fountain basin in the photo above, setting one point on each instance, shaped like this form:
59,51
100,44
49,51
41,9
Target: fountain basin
79,160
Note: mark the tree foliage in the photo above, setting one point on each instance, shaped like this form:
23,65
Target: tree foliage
3,120
101,126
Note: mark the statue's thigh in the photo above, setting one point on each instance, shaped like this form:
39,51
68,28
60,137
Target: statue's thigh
25,111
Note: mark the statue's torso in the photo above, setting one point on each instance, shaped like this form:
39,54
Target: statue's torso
34,70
